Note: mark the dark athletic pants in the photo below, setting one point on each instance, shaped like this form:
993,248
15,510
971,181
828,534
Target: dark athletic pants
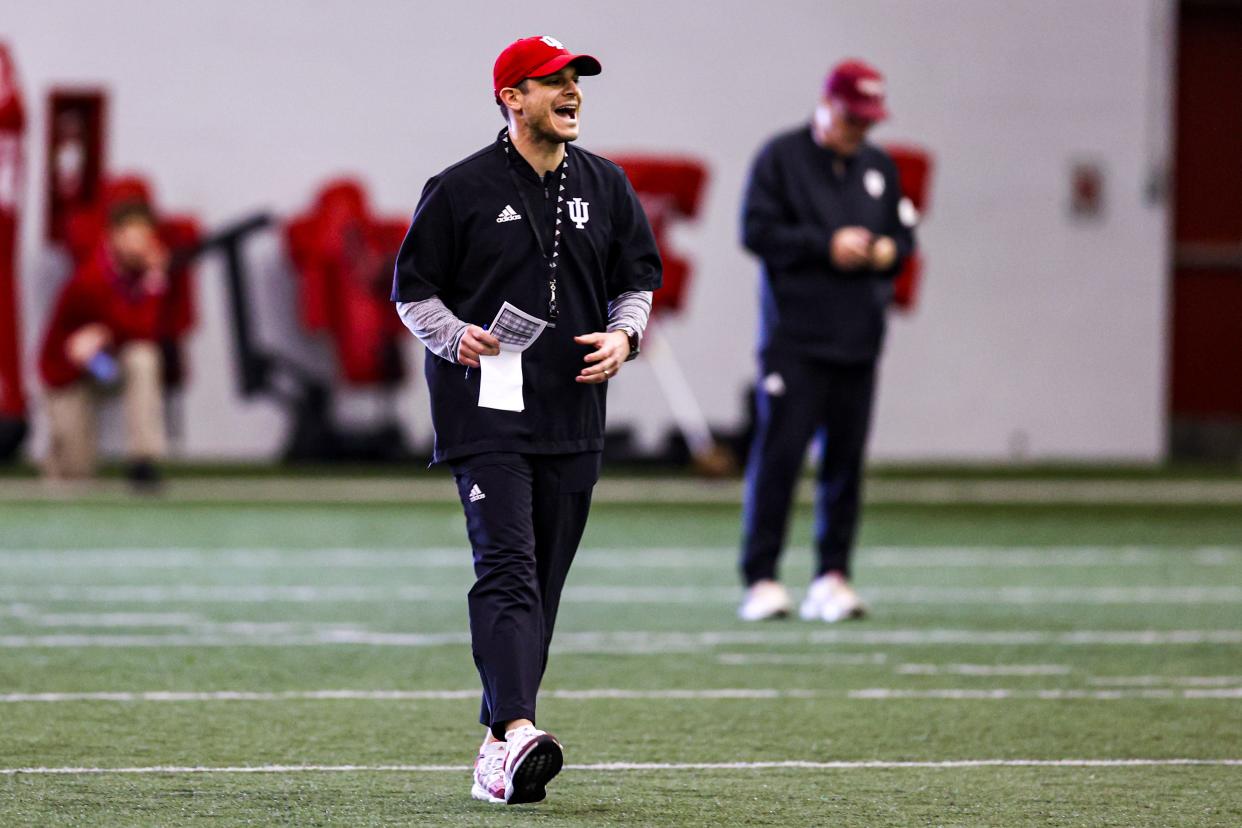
524,520
811,398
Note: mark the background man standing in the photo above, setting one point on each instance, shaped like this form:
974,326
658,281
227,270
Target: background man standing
559,234
825,214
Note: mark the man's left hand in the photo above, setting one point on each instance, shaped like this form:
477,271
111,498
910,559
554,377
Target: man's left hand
883,253
611,351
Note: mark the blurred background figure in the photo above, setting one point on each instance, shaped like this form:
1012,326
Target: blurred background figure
825,214
1091,293
104,336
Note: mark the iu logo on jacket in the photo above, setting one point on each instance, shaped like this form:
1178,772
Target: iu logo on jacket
579,212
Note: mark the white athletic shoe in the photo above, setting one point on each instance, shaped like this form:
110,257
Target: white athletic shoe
532,759
831,599
489,773
764,600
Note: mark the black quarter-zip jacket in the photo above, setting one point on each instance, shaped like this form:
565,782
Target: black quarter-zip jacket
465,247
799,194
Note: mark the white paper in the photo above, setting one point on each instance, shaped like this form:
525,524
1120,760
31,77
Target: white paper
500,376
500,381
516,329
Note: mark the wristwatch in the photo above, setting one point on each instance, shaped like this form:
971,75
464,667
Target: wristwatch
633,336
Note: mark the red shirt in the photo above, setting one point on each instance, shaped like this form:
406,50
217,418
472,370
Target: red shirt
99,292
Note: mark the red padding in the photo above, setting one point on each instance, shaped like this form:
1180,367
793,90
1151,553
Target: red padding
12,128
343,257
914,168
671,189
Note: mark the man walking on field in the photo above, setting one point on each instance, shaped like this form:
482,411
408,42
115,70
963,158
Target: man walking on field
526,231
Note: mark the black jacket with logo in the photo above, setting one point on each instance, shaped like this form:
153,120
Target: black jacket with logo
465,247
799,194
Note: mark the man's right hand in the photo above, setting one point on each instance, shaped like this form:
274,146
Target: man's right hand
851,247
474,343
87,341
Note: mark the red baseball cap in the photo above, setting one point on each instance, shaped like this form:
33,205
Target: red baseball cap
860,87
534,57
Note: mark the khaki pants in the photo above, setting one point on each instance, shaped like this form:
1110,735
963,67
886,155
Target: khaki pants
71,413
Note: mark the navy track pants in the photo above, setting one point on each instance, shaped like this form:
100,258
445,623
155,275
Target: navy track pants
798,399
525,514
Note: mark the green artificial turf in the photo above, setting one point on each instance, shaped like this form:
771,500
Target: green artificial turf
1128,616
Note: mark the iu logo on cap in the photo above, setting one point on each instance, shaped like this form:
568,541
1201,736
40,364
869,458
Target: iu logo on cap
553,42
871,87
579,212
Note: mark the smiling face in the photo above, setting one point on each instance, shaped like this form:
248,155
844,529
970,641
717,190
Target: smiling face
548,106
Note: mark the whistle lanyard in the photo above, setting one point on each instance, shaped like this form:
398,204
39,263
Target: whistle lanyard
553,308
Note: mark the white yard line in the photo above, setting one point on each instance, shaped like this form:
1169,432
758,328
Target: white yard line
104,620
616,693
597,594
1003,694
983,669
236,638
635,642
1018,557
225,593
425,490
1154,492
1193,595
404,695
822,660
617,767
236,558
1056,595
1156,681
606,558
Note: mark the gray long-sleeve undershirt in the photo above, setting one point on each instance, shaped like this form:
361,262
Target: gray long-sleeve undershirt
440,330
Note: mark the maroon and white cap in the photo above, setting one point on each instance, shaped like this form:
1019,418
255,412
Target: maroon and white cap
860,87
534,57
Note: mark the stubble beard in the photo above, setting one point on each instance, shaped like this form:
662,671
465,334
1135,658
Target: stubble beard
543,132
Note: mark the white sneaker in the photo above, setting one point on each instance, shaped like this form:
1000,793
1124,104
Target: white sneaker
489,773
532,759
764,600
831,599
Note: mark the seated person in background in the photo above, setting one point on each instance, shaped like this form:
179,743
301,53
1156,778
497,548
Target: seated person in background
104,336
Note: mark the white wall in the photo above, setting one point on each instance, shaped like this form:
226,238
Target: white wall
1034,334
